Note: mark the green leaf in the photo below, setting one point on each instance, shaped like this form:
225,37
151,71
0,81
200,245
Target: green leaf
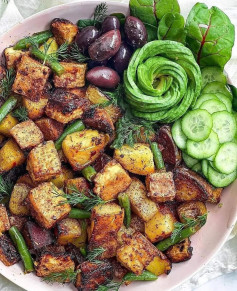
85,22
171,27
163,7
210,35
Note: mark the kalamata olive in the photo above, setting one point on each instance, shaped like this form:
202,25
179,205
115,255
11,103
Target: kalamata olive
104,77
105,46
86,37
121,59
110,23
91,64
135,31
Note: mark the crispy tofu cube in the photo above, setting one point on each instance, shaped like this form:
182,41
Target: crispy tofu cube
35,109
81,148
80,92
66,174
45,206
17,203
79,183
43,162
26,179
13,57
10,156
8,253
180,252
106,220
111,180
63,30
4,219
160,187
27,134
140,203
7,124
50,128
31,78
67,230
74,76
64,106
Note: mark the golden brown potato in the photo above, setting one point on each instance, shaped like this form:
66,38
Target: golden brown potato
60,179
46,206
50,128
180,252
13,57
79,183
80,92
111,180
8,253
67,230
159,265
215,196
4,219
17,204
106,220
191,209
83,147
137,159
35,110
81,240
52,48
10,156
7,124
63,30
43,162
31,78
26,179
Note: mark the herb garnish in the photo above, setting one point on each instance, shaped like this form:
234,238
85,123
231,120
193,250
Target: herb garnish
21,114
100,12
5,188
76,54
95,253
6,83
61,277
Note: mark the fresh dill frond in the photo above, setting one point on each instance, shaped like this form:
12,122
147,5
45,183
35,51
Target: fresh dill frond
110,286
5,188
6,83
100,12
21,114
62,52
115,96
94,254
61,277
76,54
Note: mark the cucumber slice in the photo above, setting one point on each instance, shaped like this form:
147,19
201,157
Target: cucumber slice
217,87
203,149
213,106
197,168
224,99
204,98
226,158
197,124
210,74
224,124
189,161
211,158
178,135
218,179
205,168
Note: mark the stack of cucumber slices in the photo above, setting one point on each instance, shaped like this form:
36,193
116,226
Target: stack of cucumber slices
207,135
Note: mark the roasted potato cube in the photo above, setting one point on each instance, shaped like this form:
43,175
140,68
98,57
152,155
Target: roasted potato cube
137,159
97,97
18,221
50,128
47,207
141,205
8,253
53,263
26,179
160,186
81,240
60,179
27,134
180,252
17,203
13,57
110,181
106,220
79,183
64,106
36,237
35,109
10,156
53,46
190,186
74,75
4,219
67,230
43,162
159,265
161,225
191,210
31,78
215,196
80,92
63,30
81,148
137,224
7,124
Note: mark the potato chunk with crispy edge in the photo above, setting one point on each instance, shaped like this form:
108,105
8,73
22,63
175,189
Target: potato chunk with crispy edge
191,210
17,203
13,57
8,253
50,128
63,30
180,252
67,230
4,219
7,124
35,110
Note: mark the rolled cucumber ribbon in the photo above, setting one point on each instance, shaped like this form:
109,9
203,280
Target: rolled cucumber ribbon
162,81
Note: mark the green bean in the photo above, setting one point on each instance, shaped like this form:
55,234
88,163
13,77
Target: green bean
37,38
83,251
79,213
19,241
7,106
145,276
75,126
158,159
125,203
89,173
166,243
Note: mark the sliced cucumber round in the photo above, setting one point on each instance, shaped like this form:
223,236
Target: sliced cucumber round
197,124
217,87
189,161
218,179
205,168
213,106
226,158
204,98
211,74
197,168
224,125
224,99
178,135
203,149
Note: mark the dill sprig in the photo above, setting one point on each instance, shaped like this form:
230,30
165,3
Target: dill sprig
21,114
95,253
116,96
5,188
76,54
6,83
110,286
100,12
61,277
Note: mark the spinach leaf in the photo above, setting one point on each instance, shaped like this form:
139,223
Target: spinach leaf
171,27
210,35
165,6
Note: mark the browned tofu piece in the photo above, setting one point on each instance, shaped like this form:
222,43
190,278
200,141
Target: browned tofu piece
17,203
4,219
43,162
180,252
50,128
106,220
13,57
18,221
111,180
31,78
8,253
67,230
63,30
79,183
27,134
65,107
80,92
160,187
46,206
35,109
74,76
26,179
190,186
